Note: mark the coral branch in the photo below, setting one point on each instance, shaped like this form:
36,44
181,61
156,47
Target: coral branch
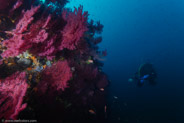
55,78
17,44
75,28
12,91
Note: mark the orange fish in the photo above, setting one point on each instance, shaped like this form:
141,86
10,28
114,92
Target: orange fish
33,58
30,77
90,61
29,68
105,108
102,89
92,111
35,89
6,62
44,66
9,64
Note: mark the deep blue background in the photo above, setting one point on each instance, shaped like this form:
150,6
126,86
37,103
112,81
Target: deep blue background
138,31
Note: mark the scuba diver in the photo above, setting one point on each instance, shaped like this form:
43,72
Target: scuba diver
146,73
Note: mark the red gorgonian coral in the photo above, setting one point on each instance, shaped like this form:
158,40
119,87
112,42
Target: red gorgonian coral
74,29
55,78
17,44
39,41
12,91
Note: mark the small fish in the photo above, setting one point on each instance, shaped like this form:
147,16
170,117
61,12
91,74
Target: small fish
105,108
9,64
89,61
30,77
68,105
130,80
92,111
29,68
44,66
33,58
73,68
35,89
102,89
6,61
115,97
1,39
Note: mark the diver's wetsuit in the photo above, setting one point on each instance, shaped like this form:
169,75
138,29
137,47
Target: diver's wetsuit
146,72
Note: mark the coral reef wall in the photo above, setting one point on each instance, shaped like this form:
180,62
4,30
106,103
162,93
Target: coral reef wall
50,63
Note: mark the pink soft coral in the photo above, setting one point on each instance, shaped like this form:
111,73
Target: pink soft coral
31,36
12,91
17,44
75,28
39,37
55,78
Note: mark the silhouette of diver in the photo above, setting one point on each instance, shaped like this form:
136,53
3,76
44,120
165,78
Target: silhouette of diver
146,73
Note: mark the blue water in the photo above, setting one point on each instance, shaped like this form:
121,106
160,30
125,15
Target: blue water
138,31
